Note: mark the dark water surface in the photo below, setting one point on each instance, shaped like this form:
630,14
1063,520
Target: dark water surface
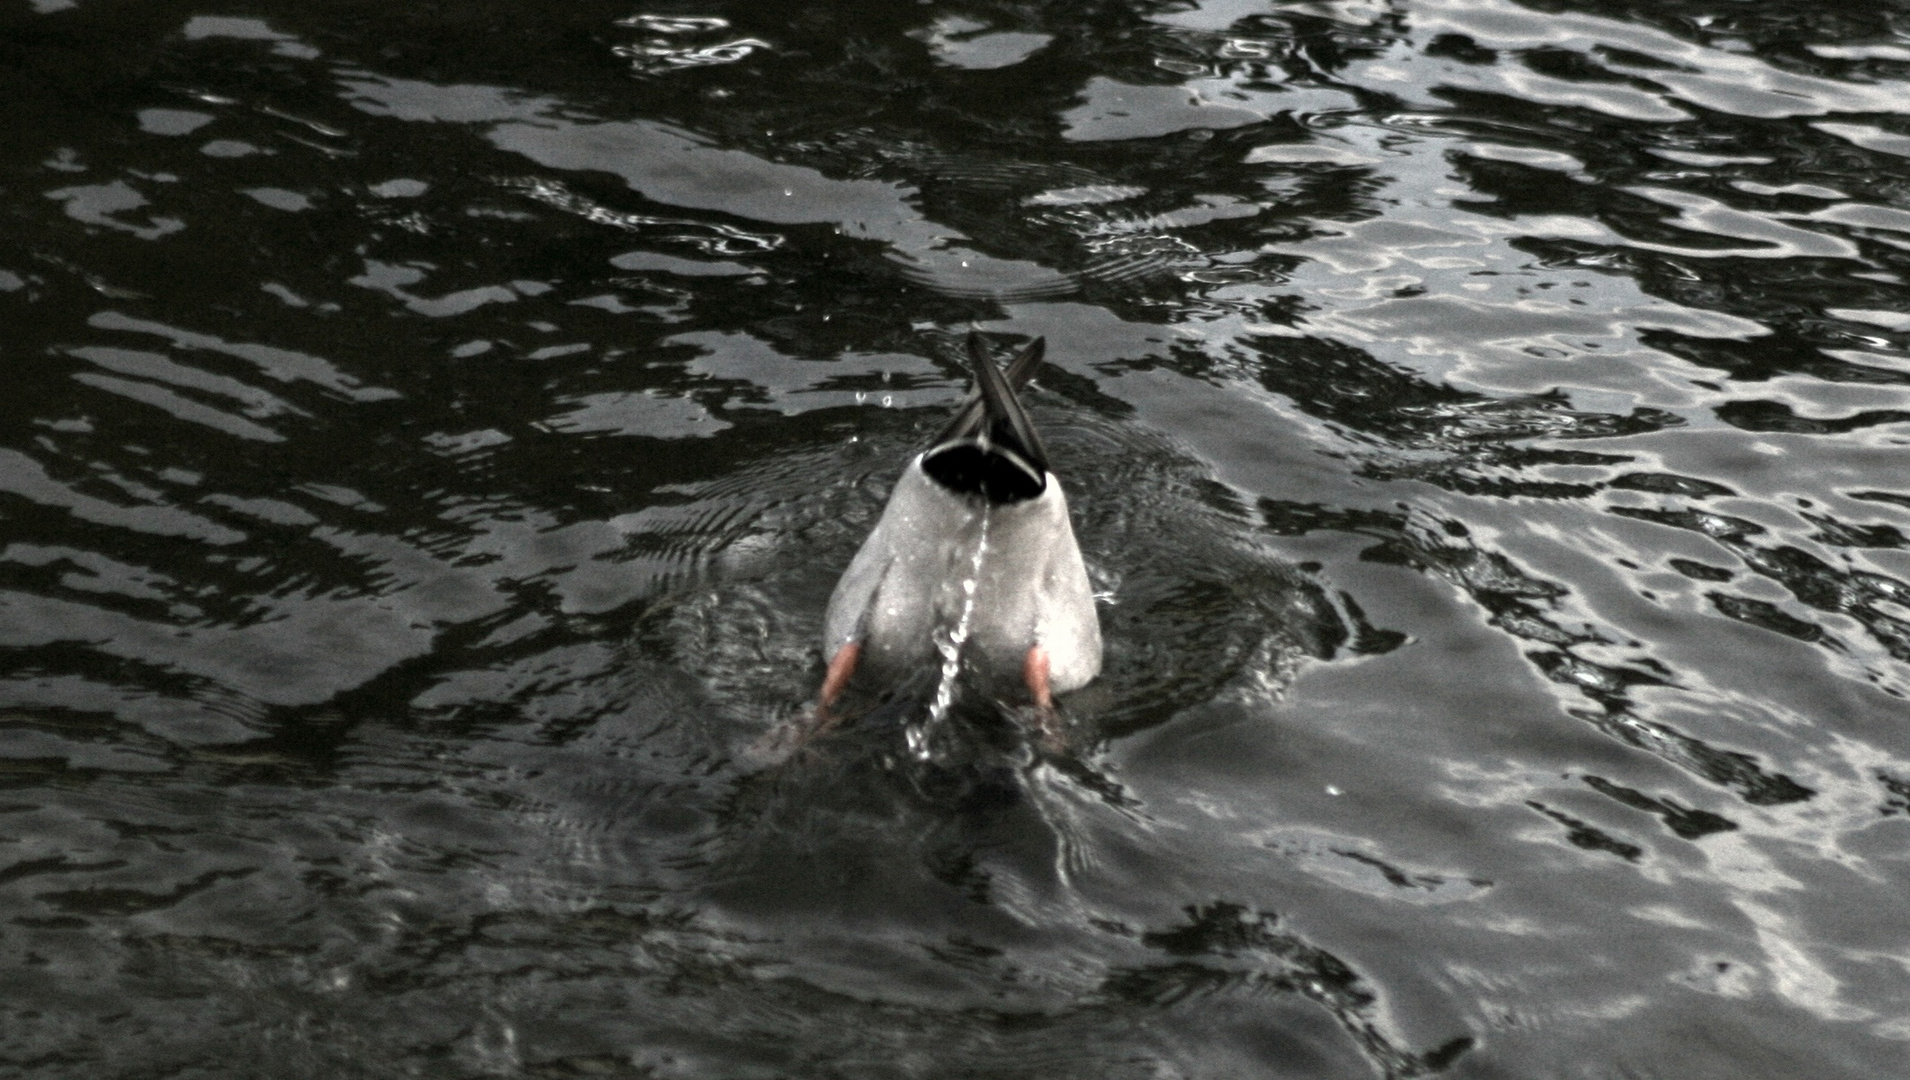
433,430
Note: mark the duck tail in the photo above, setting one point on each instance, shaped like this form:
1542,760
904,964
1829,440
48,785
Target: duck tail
976,414
991,448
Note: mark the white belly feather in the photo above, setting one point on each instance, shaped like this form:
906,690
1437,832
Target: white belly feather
1011,575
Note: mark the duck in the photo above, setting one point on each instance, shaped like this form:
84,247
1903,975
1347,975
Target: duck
973,565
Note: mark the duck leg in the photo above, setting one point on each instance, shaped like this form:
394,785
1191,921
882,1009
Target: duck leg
1034,672
776,744
841,667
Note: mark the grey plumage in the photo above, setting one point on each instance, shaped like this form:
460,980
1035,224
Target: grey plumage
973,552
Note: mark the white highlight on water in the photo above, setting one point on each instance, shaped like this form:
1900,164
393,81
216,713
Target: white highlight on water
950,646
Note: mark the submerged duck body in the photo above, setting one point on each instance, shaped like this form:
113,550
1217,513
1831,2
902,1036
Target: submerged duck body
974,561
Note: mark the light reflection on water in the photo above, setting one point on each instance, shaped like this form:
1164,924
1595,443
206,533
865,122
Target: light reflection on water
436,434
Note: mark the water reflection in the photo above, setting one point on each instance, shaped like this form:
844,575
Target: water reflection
437,433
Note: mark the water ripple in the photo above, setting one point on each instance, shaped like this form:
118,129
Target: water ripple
435,437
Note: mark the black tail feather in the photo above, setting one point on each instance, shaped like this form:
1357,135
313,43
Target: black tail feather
991,448
968,420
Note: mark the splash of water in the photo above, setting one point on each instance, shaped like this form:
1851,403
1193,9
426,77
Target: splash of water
950,644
